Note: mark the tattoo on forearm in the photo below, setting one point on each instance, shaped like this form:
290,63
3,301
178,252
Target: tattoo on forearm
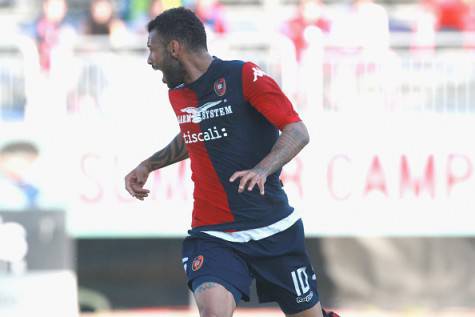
205,286
172,153
289,144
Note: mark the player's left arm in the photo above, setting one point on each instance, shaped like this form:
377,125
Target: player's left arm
265,95
291,141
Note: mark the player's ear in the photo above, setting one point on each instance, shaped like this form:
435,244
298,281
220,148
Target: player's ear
174,47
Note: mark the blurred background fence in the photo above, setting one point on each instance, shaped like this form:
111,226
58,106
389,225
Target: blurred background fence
335,79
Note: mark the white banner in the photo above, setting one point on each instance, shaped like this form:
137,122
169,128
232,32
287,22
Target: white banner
390,175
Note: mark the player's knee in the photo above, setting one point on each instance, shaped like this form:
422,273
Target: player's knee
215,312
215,308
213,300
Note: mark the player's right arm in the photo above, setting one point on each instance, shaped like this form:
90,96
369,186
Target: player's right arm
172,153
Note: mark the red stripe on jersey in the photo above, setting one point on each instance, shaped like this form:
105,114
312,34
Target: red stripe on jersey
210,200
264,94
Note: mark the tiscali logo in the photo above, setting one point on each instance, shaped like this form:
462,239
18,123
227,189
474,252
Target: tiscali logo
204,112
204,136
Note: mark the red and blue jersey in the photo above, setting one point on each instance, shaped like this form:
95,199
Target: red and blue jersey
230,119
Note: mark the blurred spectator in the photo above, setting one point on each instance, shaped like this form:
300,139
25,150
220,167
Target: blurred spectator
156,7
452,15
211,13
469,40
136,10
84,99
16,190
131,10
51,30
424,28
310,15
359,34
139,23
364,25
443,15
470,16
103,20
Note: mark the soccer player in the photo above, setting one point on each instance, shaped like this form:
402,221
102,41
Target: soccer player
243,228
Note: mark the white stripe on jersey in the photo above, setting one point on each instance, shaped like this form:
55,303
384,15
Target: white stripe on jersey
258,233
184,260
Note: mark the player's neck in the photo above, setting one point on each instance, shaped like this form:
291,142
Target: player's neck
196,65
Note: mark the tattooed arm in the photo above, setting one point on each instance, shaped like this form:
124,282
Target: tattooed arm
293,138
172,153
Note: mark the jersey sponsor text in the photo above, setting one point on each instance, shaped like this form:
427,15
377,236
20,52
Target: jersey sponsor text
198,114
204,136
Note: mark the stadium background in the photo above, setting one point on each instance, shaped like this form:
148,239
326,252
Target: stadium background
386,186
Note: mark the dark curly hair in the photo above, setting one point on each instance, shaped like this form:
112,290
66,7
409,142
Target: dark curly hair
180,24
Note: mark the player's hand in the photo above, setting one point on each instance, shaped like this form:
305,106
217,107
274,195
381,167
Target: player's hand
249,179
135,180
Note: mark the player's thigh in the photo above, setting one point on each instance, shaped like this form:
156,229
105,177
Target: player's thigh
286,277
217,275
315,311
214,300
289,281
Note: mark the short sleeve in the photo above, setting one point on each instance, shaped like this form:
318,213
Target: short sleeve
265,95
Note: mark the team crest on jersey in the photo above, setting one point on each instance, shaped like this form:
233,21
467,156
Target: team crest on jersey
197,263
220,87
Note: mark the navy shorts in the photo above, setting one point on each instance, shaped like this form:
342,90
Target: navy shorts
279,264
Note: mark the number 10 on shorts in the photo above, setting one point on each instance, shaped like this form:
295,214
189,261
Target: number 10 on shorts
300,279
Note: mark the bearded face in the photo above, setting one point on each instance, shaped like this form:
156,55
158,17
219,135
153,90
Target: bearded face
173,71
161,59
